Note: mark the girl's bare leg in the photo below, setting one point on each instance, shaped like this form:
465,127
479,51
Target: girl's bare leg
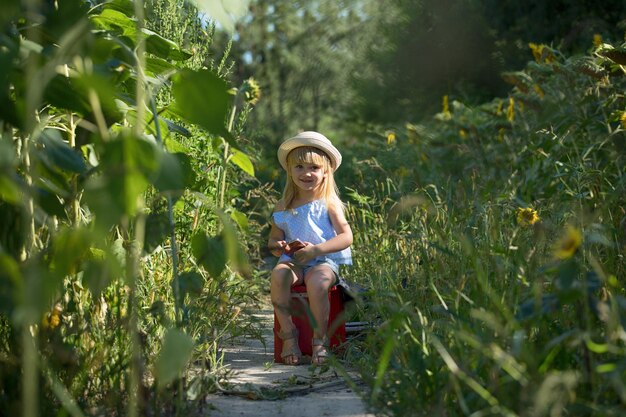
318,280
283,277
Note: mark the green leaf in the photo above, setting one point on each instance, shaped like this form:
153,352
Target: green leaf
126,164
240,218
51,204
173,358
69,248
73,94
175,173
10,279
9,191
202,98
62,93
97,273
596,347
242,161
158,66
12,229
8,156
164,48
104,51
105,90
50,180
157,230
605,368
8,102
42,285
115,21
126,7
234,251
383,364
190,282
175,127
64,17
56,152
210,252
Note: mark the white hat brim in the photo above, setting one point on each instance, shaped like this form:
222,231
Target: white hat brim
313,139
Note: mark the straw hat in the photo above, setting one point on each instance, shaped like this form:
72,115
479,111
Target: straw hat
310,138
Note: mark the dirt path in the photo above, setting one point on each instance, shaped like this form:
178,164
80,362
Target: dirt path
280,390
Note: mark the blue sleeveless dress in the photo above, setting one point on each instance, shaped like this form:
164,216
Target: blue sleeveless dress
310,223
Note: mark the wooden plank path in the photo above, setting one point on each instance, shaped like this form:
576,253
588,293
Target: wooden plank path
261,387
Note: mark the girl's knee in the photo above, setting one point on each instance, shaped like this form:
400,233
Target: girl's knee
320,280
283,275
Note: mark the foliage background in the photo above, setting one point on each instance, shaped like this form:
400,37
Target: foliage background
484,150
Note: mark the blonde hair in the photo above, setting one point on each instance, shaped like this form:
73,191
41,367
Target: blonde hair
311,155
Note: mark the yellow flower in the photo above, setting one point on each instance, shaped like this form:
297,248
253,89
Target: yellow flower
542,53
501,134
445,112
538,90
536,50
597,39
463,133
527,216
622,119
251,90
510,111
53,318
569,243
391,137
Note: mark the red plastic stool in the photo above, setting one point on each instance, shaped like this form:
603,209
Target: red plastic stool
300,314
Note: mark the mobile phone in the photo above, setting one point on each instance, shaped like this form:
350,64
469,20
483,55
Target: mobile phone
294,246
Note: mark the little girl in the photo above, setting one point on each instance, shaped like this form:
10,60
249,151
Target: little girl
310,213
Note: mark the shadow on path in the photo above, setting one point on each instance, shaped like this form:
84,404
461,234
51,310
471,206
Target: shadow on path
280,390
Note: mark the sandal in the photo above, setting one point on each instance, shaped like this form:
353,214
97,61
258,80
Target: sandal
294,351
320,356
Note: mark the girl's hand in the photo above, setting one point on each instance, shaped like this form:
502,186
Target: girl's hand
279,247
293,246
307,253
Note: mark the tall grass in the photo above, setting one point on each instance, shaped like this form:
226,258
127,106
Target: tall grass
479,312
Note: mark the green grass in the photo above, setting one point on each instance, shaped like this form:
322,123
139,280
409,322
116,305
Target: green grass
475,313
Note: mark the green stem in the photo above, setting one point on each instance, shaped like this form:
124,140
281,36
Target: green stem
30,373
173,244
75,206
171,220
231,122
132,273
30,363
135,244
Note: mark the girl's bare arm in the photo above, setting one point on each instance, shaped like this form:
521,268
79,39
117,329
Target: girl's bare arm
276,242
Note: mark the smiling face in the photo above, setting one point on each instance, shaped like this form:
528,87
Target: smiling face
308,168
307,176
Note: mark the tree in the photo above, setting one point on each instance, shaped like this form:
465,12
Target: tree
424,49
568,25
301,53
